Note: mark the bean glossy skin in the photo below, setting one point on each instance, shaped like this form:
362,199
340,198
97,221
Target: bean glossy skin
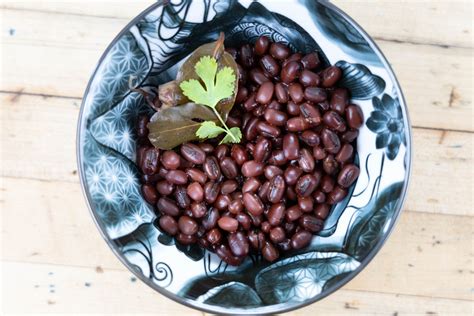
315,94
195,191
306,160
310,113
279,51
319,196
277,234
167,206
261,45
331,141
306,185
275,117
309,78
239,154
170,160
181,197
293,213
336,195
211,168
290,72
310,61
306,204
291,146
327,184
334,121
339,100
349,173
197,175
345,154
244,220
330,165
256,239
292,174
277,158
301,239
221,151
236,206
322,211
268,130
229,168
311,223
246,56
269,65
177,177
228,224
296,93
311,138
164,187
297,124
210,219
253,204
331,76
187,225
276,214
271,171
281,93
214,236
251,185
252,168
186,239
149,162
354,116
169,225
198,209
257,76
226,255
265,93
193,153
229,186
238,244
211,191
277,189
262,150
149,193
292,108
270,252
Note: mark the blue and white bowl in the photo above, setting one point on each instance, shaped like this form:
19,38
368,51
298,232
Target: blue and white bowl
150,49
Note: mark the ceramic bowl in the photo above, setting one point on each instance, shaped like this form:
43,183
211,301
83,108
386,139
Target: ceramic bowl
149,50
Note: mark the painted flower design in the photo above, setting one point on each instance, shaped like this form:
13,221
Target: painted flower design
387,122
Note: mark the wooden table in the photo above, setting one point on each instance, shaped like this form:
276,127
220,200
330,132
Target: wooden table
53,258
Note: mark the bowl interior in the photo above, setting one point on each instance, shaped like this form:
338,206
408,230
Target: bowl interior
148,52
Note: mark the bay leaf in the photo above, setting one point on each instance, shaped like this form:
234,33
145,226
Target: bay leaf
173,126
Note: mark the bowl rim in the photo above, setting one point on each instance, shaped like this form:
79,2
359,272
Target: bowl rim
277,308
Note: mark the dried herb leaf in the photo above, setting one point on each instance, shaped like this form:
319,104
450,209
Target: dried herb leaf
170,94
176,125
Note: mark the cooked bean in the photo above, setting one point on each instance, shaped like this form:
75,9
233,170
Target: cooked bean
301,239
291,175
293,213
198,209
269,252
251,185
207,148
228,223
276,214
170,160
277,158
226,255
211,191
290,72
336,195
211,168
246,56
306,185
349,173
149,161
291,193
229,168
330,165
277,189
265,93
236,206
242,94
331,76
311,223
210,219
193,153
311,138
263,191
327,184
252,168
322,211
244,220
149,193
167,206
306,160
238,244
310,61
177,177
168,224
239,154
281,93
319,196
306,204
214,236
293,57
267,130
251,103
293,109
256,239
257,76
222,202
221,151
339,100
270,65
277,234
196,175
297,124
273,105
309,78
187,225
253,204
181,197
315,94
275,117
164,187
310,113
291,146
262,150
271,171
195,191
186,239
295,90
319,153
142,129
261,45
349,136
279,51
334,121
354,116
345,154
331,141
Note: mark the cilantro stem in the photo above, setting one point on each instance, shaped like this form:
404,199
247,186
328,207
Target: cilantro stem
224,124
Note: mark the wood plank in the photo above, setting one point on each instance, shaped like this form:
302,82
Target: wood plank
439,156
422,246
410,21
437,81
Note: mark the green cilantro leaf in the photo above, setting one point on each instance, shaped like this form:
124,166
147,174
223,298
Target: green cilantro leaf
216,87
233,136
209,129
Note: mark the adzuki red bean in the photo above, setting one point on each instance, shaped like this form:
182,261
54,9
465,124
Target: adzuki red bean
272,192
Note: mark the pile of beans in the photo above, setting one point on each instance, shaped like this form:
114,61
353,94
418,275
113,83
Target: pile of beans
272,192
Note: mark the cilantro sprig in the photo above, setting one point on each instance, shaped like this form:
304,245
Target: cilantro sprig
218,85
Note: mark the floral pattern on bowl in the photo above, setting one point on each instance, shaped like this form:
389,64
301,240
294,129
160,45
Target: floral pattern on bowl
149,51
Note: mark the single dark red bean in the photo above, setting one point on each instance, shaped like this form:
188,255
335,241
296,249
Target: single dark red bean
221,151
149,193
306,160
214,236
187,225
222,202
319,153
354,116
149,161
229,186
293,109
186,239
167,206
331,141
315,94
228,223
274,105
281,93
270,252
211,168
226,255
277,158
279,51
210,219
270,65
246,56
239,154
193,153
181,197
251,185
196,175
295,90
164,187
257,76
207,148
253,204
293,57
291,175
291,193
229,168
177,177
170,160
311,138
321,211
262,150
319,196
306,185
310,61
261,45
265,93
311,223
238,244
345,154
277,189
336,195
293,213
290,72
306,204
331,76
301,239
334,121
251,103
348,175
244,220
276,214
349,136
256,239
195,191
241,95
277,234
271,171
252,168
339,100
297,124
291,146
310,113
169,225
275,117
263,191
236,206
268,130
330,165
327,184
211,191
309,78
198,209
